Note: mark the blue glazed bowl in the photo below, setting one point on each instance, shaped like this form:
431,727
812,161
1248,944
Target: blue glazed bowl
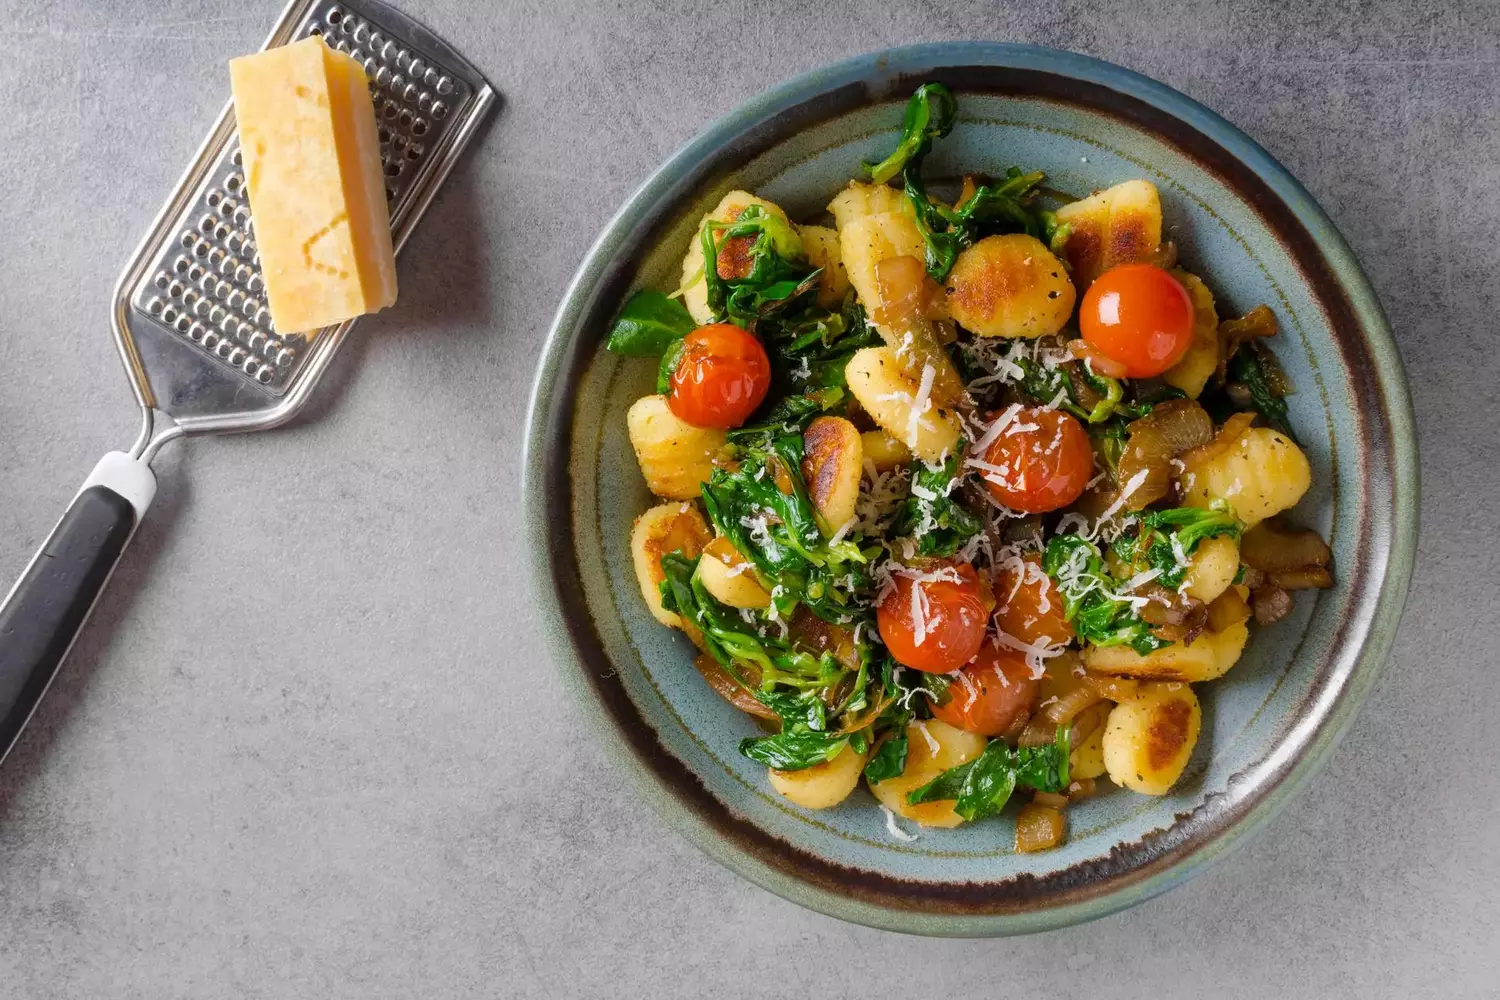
1246,226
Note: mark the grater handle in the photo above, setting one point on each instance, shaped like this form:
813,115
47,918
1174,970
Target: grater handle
46,609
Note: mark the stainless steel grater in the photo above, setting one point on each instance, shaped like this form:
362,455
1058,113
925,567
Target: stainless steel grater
191,323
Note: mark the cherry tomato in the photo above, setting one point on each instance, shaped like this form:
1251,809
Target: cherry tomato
722,376
1028,604
953,610
990,696
1140,316
1040,469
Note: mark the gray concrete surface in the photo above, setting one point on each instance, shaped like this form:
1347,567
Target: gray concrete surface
310,745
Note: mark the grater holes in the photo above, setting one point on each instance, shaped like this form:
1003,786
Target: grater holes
237,158
213,197
163,280
233,182
196,333
333,16
404,119
419,126
181,265
414,151
439,110
265,375
418,69
210,339
444,86
154,307
284,356
184,323
393,168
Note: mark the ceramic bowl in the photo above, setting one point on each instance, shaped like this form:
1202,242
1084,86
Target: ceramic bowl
1246,226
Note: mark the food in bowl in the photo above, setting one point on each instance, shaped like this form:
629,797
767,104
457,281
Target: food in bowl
961,496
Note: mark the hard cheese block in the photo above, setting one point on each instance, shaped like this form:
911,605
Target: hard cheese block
317,193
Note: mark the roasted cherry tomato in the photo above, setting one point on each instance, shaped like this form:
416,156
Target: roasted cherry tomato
722,375
990,696
1140,316
1042,467
935,619
1028,604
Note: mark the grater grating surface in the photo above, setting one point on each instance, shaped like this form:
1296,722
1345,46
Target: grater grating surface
197,335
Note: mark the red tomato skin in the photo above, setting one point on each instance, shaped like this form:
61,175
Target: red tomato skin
990,695
1045,469
956,623
1140,316
721,378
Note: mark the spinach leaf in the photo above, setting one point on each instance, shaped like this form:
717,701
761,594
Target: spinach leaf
938,522
1166,538
789,416
648,325
889,760
930,113
777,275
1090,601
1043,384
794,749
983,785
815,343
779,532
1248,369
734,642
947,231
670,358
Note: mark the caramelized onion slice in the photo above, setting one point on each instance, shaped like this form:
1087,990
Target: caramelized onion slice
1308,578
1274,548
1169,430
1258,322
1233,429
730,689
910,302
1229,608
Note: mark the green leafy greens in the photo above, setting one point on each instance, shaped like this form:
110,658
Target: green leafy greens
1166,538
983,785
778,531
938,522
1099,615
1000,207
1248,368
649,324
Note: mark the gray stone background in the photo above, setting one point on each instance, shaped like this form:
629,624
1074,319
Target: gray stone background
311,744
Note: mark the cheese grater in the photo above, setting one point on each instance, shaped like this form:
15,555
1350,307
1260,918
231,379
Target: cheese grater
192,327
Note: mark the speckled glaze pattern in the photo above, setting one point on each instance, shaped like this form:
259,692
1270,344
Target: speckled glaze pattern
1242,223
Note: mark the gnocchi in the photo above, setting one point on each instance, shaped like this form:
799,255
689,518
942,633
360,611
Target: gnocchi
883,451
670,527
1010,286
694,289
730,577
832,462
932,747
1119,225
1205,658
821,786
1149,738
1191,374
1260,474
867,240
890,398
675,457
821,245
1212,568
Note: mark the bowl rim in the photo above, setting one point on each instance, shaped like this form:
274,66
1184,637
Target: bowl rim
546,439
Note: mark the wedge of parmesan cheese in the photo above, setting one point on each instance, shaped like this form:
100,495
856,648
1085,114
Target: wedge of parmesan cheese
313,174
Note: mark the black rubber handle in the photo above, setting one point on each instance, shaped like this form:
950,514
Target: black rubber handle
47,609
